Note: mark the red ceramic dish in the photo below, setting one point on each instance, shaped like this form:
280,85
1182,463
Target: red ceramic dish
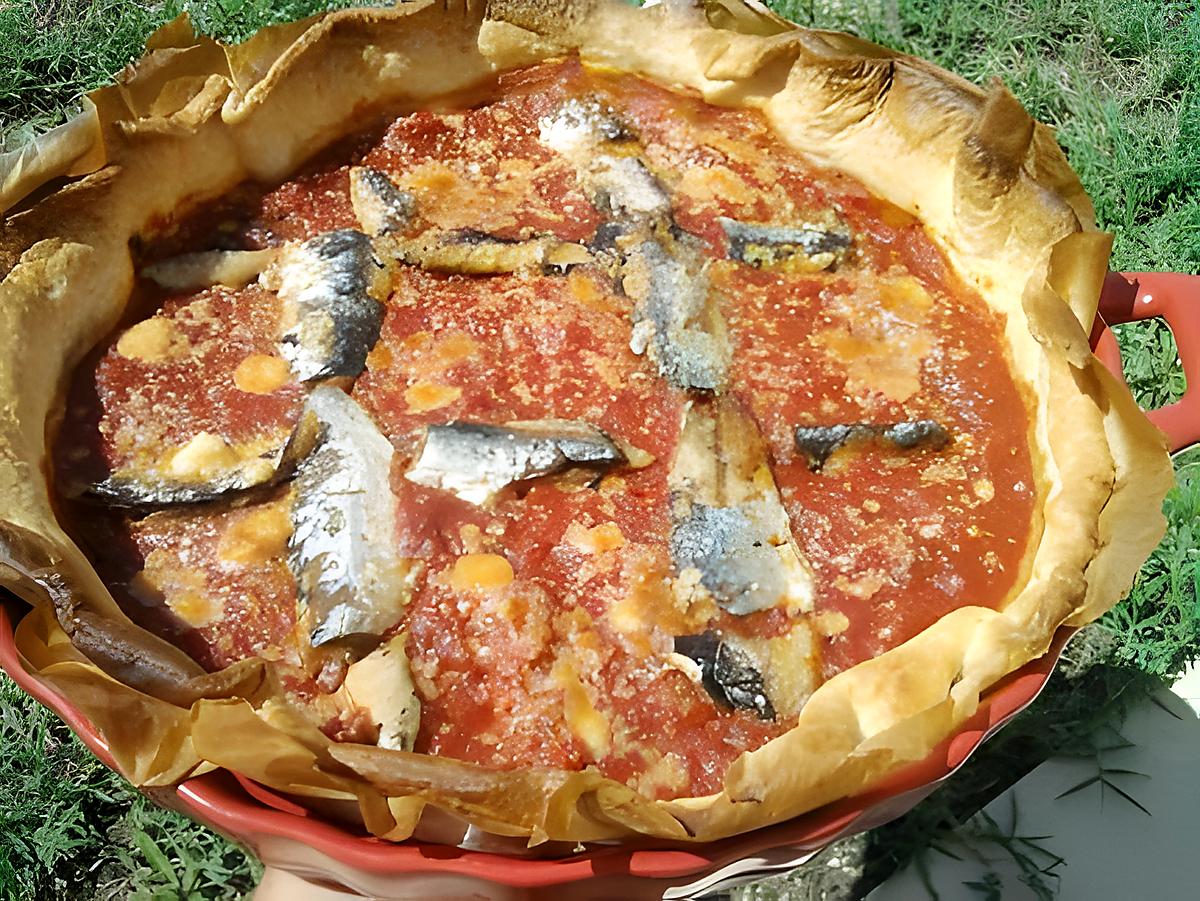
1133,296
293,838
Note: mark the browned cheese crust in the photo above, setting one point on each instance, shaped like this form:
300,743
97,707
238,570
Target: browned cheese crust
193,118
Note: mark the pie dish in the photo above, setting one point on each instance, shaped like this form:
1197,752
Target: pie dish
815,609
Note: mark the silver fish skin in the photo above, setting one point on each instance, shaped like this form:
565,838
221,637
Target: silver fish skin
770,245
350,579
331,320
674,315
728,522
475,461
819,442
380,206
124,490
729,674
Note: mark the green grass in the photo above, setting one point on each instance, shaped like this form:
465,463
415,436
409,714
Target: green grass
54,50
1157,627
70,828
1118,78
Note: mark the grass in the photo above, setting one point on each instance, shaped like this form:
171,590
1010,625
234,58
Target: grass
70,828
54,50
1119,80
1157,627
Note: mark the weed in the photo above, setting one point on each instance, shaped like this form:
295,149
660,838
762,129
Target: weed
71,828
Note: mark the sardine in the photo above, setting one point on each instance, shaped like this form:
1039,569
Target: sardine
579,125
470,252
773,676
819,442
728,673
661,268
381,683
379,205
604,243
204,469
733,549
728,522
674,314
194,271
624,186
474,460
351,581
804,248
329,286
597,142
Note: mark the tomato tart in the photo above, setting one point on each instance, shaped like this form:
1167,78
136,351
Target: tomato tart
495,410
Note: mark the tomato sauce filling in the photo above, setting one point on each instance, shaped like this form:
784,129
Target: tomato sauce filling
213,582
567,662
202,365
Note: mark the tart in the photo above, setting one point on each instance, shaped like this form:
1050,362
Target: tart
499,414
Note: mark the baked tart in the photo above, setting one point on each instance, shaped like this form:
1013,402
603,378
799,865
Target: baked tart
589,421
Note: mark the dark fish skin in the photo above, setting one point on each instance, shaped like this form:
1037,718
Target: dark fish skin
351,582
607,233
918,433
379,205
478,238
476,460
325,284
728,673
128,492
138,487
819,442
770,245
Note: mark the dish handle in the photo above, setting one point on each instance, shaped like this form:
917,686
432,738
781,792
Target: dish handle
1174,297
